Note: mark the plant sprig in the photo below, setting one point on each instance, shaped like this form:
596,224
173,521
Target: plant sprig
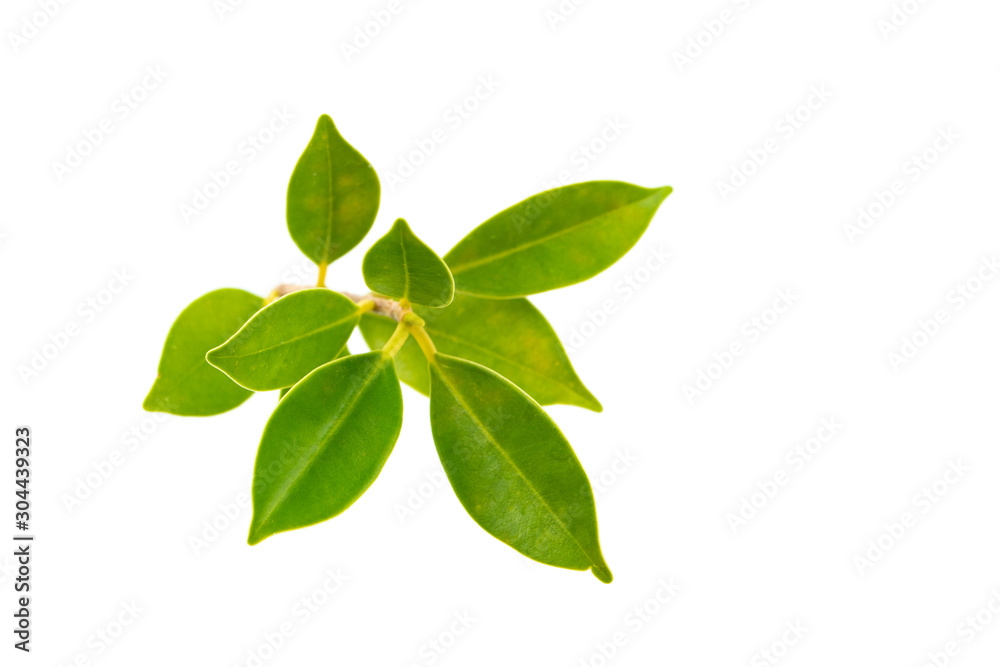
458,329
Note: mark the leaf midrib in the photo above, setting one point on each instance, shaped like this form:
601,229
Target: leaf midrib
542,239
285,491
329,199
406,268
313,332
493,441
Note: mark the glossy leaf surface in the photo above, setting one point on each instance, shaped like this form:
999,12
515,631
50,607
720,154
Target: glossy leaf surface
325,443
553,239
287,339
509,336
512,468
186,384
333,196
402,266
344,352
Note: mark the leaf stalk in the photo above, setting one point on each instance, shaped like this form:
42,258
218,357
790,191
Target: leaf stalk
399,337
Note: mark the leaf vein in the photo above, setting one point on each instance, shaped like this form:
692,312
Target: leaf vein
295,339
533,242
285,490
527,482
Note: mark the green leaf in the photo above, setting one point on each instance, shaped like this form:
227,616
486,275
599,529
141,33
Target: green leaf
287,339
511,467
333,196
344,352
186,384
325,443
508,336
554,239
402,266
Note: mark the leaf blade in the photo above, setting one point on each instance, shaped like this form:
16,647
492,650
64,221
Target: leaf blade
333,196
402,266
344,352
186,385
325,443
287,339
513,470
553,239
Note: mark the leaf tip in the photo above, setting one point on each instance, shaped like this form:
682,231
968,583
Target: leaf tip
157,400
151,403
257,534
662,193
325,122
212,356
603,573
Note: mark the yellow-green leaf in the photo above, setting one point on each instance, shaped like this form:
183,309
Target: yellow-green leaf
185,383
402,266
287,339
333,196
325,443
553,239
512,468
344,352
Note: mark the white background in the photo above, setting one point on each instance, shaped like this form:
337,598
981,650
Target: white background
664,515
